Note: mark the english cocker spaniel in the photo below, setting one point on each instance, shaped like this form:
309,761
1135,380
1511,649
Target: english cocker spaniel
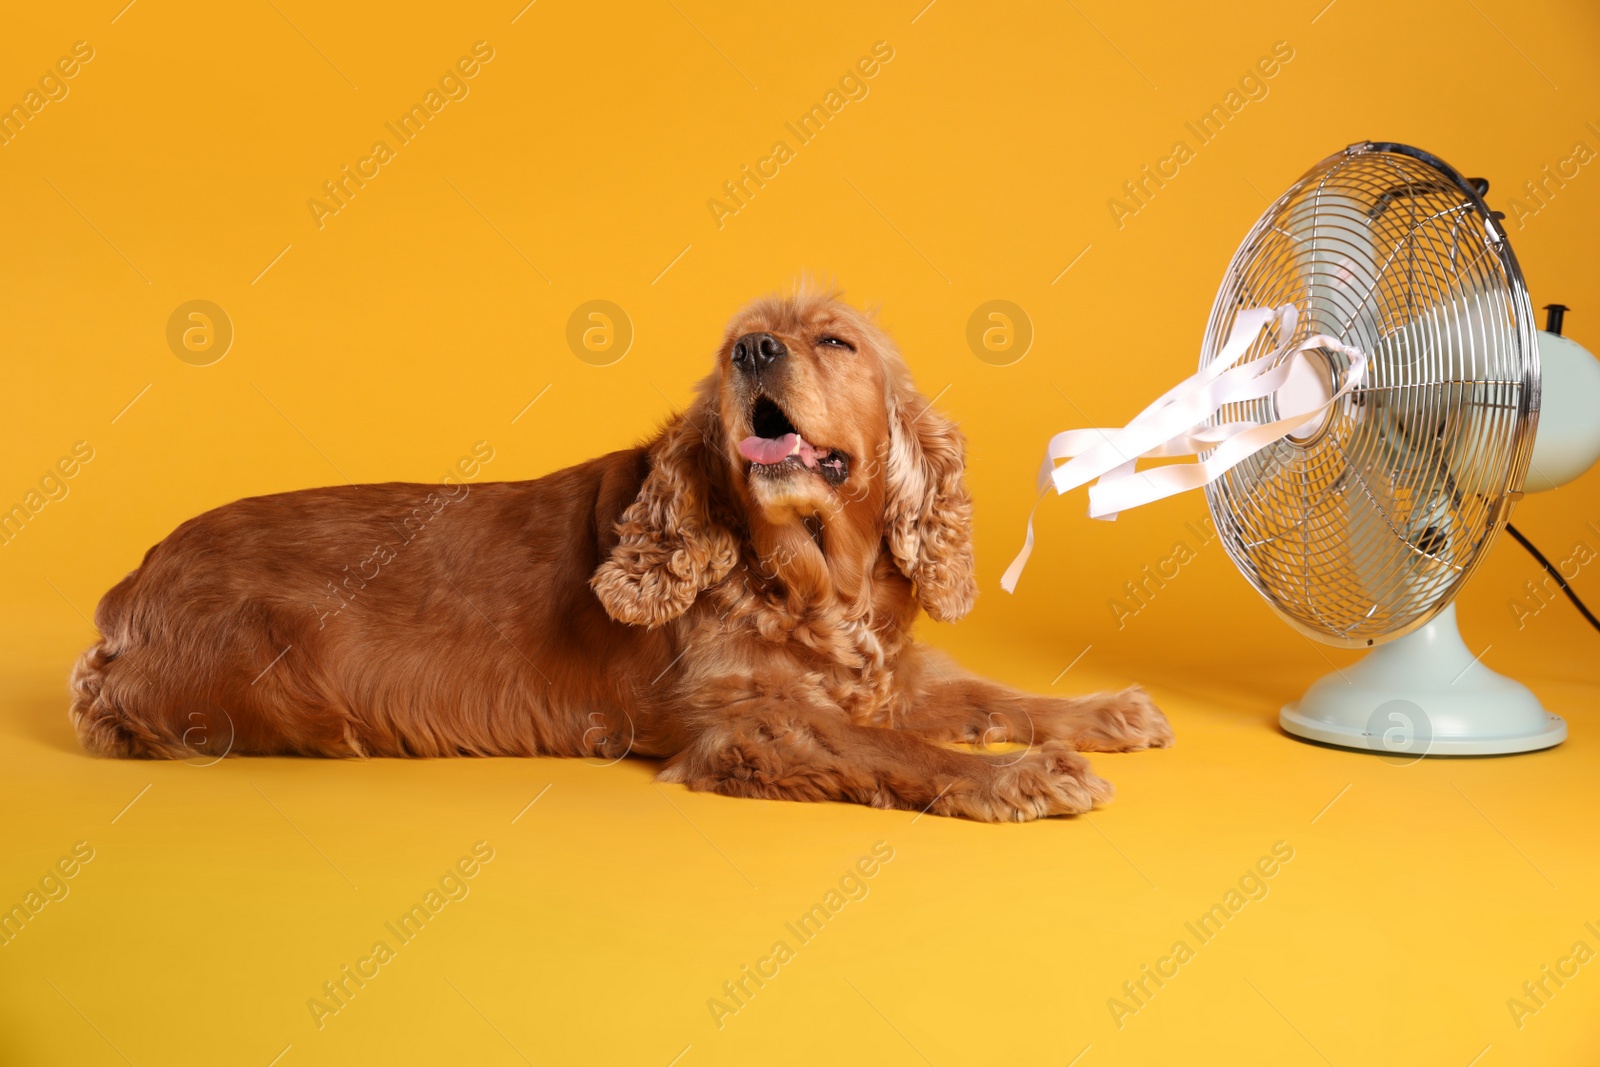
734,597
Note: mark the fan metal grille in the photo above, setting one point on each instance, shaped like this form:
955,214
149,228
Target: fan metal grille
1364,528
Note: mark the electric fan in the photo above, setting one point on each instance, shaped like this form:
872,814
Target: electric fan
1366,414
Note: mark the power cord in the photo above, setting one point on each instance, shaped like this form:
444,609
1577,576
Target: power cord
1554,573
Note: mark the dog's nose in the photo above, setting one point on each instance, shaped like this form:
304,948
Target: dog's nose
754,352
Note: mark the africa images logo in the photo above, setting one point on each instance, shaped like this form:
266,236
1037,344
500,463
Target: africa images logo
452,86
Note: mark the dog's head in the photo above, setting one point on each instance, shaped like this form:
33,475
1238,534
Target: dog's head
801,390
809,445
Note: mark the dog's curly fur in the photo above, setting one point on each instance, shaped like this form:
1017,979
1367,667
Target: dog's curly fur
749,627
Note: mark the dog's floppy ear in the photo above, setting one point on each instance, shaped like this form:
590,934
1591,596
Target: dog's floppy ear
928,513
669,549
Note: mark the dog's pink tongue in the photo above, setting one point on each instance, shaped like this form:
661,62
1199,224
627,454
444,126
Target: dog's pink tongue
767,449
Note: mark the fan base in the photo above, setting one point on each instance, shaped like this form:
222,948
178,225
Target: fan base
1424,694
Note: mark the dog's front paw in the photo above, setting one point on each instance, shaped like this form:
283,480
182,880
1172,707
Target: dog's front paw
1122,722
1044,781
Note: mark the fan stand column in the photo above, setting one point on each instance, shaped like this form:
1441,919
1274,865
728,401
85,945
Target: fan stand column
1424,694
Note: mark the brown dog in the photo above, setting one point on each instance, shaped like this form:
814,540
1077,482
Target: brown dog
734,597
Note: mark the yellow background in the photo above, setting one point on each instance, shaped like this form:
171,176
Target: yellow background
428,313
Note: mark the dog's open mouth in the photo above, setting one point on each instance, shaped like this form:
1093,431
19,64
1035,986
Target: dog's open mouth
775,446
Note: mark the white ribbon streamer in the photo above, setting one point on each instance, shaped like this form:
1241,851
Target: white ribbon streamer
1176,424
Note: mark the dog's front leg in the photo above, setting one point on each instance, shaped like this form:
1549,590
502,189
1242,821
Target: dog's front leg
951,706
786,743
